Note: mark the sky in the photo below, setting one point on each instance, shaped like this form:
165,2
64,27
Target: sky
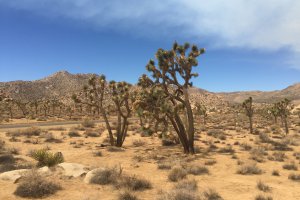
250,45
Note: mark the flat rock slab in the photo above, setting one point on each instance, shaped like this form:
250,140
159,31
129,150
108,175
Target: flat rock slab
73,169
13,176
88,177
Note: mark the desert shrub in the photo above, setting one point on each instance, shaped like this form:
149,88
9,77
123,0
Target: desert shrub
176,174
264,137
28,132
197,170
106,176
167,142
258,154
275,173
277,156
227,149
190,185
138,143
164,165
263,197
210,162
2,145
98,153
88,123
51,139
34,185
217,133
46,158
246,147
248,169
73,133
134,183
127,195
211,194
90,133
57,129
6,158
294,177
262,186
290,166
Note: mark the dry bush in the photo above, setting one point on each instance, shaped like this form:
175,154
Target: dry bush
46,158
106,176
210,162
34,185
176,174
264,137
28,132
73,133
88,123
249,169
275,173
138,143
127,195
59,128
190,185
227,149
217,133
246,147
167,142
277,156
258,154
165,165
262,186
179,194
51,139
290,166
197,170
91,133
294,177
134,183
211,194
263,197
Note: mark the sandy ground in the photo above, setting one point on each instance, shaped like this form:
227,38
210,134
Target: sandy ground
222,176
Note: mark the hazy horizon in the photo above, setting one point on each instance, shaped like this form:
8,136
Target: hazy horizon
250,45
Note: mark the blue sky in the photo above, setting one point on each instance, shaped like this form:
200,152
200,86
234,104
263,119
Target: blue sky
251,45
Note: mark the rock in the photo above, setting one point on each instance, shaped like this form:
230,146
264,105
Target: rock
45,171
90,174
13,176
73,169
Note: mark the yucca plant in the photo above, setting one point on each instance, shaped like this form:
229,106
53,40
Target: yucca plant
46,158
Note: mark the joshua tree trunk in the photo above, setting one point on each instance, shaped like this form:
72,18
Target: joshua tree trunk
286,126
190,117
251,124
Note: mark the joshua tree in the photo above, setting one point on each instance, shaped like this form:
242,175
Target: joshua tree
275,112
172,77
94,95
201,111
249,110
22,105
284,108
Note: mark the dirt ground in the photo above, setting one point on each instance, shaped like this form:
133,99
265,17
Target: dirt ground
142,161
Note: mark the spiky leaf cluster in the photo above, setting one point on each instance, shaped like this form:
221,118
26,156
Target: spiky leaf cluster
248,106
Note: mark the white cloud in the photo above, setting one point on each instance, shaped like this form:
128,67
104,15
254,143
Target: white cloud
255,24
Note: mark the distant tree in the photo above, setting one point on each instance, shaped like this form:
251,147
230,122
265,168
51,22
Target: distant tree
249,110
284,107
275,112
201,110
22,105
172,77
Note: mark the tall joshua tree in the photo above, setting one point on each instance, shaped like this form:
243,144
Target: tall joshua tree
249,110
284,108
172,76
95,94
275,112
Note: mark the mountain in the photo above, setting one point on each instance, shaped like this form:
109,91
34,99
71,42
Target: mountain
60,84
63,84
292,92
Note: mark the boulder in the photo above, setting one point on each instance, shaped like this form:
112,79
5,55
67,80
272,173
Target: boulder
13,176
73,169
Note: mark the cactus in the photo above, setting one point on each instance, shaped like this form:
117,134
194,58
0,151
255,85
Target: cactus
171,79
249,110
